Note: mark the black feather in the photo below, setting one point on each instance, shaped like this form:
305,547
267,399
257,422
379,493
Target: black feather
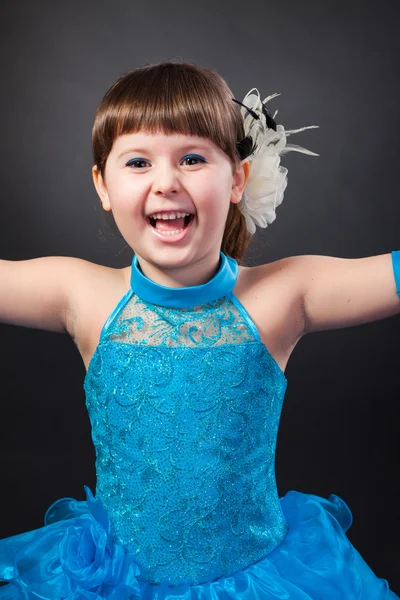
246,147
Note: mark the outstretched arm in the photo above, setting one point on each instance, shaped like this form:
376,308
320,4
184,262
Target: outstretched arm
341,292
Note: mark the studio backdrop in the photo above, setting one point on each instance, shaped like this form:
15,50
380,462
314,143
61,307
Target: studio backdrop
334,68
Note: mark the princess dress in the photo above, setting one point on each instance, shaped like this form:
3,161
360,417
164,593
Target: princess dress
184,402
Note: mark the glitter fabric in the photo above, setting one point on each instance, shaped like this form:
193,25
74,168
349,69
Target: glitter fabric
185,406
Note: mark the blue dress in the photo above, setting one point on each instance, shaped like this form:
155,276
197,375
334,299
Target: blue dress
184,402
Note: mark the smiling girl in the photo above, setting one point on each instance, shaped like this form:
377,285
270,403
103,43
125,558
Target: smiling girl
162,191
186,350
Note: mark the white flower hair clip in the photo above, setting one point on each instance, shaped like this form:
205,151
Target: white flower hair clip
263,146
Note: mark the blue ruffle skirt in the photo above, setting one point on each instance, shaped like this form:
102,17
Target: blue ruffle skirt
73,557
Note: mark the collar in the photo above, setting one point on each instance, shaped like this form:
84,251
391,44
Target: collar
220,285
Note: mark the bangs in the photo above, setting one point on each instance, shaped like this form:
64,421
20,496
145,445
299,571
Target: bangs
169,98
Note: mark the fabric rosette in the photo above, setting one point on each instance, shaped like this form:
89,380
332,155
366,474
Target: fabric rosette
268,179
75,556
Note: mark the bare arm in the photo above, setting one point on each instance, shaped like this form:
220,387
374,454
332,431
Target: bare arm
35,293
341,292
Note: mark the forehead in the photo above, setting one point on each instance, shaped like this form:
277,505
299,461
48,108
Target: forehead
160,142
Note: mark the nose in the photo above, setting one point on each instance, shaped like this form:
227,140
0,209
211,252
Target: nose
166,180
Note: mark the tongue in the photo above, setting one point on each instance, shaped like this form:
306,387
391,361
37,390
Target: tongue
170,224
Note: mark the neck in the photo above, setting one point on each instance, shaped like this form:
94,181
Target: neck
194,273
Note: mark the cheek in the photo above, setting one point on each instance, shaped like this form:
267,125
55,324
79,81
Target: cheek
217,187
125,199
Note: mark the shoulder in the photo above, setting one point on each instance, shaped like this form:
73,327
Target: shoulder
288,271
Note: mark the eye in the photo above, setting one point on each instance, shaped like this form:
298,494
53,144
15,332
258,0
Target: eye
135,160
194,157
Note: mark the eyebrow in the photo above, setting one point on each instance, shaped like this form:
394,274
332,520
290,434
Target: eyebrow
180,148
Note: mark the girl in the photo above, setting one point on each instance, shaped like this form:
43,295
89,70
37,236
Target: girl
185,368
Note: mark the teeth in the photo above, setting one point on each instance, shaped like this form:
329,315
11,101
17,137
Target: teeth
170,232
165,216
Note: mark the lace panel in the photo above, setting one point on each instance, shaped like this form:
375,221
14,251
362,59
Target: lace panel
214,323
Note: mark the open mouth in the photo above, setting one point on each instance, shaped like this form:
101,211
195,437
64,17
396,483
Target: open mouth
186,221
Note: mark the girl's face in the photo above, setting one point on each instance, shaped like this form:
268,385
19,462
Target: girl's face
147,174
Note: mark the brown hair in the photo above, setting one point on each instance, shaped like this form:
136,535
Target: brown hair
175,97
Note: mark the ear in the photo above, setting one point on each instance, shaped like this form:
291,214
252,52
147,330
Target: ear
239,180
101,188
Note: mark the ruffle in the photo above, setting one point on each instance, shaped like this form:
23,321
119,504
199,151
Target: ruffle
74,557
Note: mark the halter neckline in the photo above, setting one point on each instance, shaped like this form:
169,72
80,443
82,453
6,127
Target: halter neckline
218,286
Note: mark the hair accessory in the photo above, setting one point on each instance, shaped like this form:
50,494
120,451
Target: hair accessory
263,145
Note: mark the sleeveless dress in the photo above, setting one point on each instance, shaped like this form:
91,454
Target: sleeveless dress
184,402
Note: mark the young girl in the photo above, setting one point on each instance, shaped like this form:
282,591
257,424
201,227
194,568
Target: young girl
185,366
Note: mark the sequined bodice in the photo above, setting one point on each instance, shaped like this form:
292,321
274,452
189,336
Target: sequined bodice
184,405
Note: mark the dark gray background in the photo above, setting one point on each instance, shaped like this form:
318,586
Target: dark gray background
336,66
